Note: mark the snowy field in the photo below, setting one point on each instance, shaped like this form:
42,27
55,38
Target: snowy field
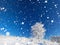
24,41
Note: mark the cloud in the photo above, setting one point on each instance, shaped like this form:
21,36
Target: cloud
37,38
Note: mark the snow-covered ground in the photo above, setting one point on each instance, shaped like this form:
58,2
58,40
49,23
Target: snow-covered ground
37,38
24,41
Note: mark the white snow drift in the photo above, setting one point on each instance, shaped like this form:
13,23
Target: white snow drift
37,38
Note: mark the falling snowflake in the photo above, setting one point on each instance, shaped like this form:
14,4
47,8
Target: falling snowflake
47,17
46,1
2,28
7,33
52,21
55,5
37,0
22,23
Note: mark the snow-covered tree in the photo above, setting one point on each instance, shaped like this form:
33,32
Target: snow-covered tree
38,31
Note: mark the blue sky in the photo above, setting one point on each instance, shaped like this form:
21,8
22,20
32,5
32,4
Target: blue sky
17,16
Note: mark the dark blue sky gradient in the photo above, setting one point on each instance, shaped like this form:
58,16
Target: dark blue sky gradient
29,12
